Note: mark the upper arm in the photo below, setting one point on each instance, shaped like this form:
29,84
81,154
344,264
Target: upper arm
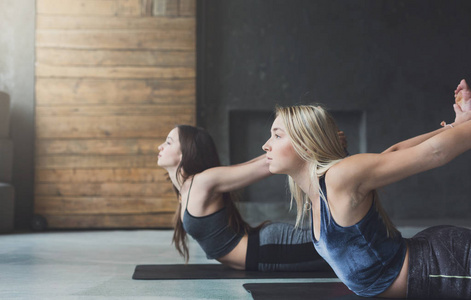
366,172
229,178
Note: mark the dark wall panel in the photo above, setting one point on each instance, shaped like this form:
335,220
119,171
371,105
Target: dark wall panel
396,62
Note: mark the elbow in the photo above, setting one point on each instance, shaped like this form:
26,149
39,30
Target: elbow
440,157
392,149
444,159
439,160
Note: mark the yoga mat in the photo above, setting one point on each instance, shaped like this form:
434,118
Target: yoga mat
302,290
215,271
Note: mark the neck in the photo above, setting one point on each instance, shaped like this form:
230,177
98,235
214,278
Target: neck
303,179
175,178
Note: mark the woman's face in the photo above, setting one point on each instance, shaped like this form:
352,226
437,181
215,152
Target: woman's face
281,156
170,153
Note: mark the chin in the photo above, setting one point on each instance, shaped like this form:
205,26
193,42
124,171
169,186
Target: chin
274,170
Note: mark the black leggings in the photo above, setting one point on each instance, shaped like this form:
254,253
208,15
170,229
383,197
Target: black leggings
281,247
440,263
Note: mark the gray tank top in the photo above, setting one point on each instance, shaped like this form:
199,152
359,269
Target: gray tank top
212,232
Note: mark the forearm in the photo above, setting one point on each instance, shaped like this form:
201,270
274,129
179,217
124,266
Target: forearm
415,140
256,159
451,143
238,176
461,117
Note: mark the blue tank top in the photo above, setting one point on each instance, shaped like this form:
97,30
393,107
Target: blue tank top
212,232
362,255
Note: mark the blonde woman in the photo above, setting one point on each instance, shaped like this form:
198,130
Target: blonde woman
350,230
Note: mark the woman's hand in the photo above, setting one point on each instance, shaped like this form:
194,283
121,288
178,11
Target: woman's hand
462,104
461,116
463,96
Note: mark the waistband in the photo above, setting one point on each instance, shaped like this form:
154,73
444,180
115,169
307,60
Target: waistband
253,245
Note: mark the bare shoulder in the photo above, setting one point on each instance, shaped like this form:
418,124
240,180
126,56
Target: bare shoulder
343,182
201,182
346,172
199,199
347,176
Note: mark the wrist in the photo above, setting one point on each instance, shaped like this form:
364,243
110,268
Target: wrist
451,125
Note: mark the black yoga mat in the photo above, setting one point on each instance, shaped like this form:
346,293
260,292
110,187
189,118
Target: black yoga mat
301,290
215,271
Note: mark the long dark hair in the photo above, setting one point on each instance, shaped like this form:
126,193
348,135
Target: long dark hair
198,154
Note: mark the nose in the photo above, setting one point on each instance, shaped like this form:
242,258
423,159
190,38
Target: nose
266,147
161,147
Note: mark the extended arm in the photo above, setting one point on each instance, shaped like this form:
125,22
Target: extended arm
365,172
461,117
229,178
377,170
415,140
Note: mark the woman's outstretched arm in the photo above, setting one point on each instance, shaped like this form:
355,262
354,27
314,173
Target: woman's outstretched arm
464,106
414,141
460,117
229,178
366,172
423,137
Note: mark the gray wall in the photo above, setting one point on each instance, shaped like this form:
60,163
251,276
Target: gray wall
395,62
17,24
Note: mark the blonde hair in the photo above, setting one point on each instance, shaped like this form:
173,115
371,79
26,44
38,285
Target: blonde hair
314,136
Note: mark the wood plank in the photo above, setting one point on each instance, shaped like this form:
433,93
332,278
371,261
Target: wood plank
51,205
158,220
43,70
98,146
53,91
129,8
95,161
95,58
119,39
89,7
52,127
71,7
80,176
106,189
110,23
116,110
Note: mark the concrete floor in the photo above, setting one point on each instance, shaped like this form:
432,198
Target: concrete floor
99,265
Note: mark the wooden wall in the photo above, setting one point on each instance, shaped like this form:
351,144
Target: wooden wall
113,77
